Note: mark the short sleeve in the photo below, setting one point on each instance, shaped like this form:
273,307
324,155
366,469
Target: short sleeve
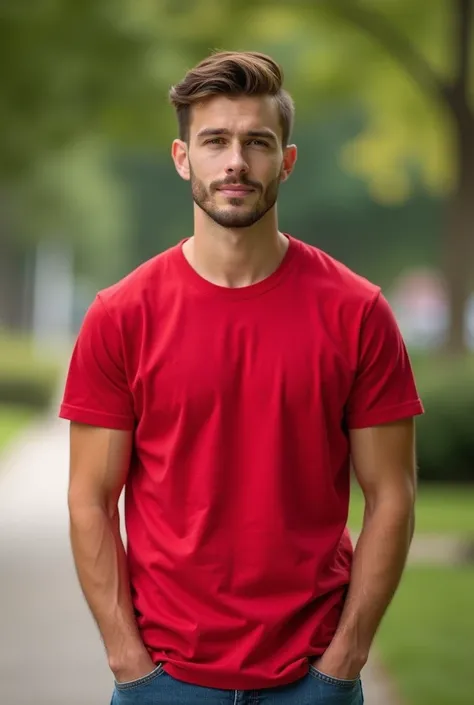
384,388
96,390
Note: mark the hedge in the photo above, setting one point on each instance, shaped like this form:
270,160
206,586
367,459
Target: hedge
34,388
26,379
445,433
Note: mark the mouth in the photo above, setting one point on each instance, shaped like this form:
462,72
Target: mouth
236,191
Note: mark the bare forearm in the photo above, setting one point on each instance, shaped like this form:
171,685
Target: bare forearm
100,561
378,564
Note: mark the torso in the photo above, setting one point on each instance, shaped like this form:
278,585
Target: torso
238,493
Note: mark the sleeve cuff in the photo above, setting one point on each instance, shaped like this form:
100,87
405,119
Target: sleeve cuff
96,418
388,414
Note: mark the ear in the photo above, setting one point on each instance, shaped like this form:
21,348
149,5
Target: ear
289,160
179,152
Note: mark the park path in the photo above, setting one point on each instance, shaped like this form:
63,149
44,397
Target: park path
50,652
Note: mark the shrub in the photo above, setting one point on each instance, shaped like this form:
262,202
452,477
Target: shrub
26,378
33,388
445,434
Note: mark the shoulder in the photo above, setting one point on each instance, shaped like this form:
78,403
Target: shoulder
342,302
134,291
330,277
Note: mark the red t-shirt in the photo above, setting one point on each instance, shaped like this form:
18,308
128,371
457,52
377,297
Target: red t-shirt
237,499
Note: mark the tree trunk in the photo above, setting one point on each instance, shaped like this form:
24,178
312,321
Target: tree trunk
459,240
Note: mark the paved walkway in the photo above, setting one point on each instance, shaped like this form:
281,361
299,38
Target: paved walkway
50,651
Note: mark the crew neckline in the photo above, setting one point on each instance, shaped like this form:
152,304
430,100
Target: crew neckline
188,273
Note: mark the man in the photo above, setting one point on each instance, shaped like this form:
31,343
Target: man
228,384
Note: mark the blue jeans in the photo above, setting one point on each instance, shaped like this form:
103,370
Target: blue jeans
158,688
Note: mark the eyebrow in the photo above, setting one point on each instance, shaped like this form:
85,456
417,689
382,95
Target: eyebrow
216,131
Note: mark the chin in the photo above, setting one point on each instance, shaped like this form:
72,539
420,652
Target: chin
236,223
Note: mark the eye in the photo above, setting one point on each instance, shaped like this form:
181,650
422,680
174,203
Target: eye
259,143
215,141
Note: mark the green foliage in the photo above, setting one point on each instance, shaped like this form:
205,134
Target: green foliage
69,69
392,59
74,195
96,72
30,389
65,68
445,435
75,77
405,52
27,386
28,379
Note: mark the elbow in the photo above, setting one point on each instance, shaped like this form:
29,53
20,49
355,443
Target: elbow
83,507
90,498
78,501
83,513
395,503
89,519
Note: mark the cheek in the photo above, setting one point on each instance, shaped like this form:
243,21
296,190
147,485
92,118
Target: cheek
272,169
209,167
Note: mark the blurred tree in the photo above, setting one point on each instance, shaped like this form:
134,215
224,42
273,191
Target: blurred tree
65,68
439,63
103,67
69,68
75,195
411,66
70,72
73,199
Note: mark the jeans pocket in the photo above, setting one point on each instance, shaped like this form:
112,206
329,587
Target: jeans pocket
144,680
343,683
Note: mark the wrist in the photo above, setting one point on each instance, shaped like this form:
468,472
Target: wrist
128,659
344,666
347,655
352,640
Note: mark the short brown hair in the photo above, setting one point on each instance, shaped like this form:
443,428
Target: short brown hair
233,74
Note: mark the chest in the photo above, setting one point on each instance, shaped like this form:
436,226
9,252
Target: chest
198,358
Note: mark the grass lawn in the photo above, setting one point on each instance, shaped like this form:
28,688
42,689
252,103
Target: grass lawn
12,419
426,637
440,509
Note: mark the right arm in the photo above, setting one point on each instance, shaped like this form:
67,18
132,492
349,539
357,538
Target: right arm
99,461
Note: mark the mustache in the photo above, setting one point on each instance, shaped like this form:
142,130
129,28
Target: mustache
232,181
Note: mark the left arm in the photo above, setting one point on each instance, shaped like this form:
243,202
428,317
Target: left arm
385,467
380,415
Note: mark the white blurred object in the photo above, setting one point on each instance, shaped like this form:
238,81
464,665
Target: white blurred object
420,304
53,301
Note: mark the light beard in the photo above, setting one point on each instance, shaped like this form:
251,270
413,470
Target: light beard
233,218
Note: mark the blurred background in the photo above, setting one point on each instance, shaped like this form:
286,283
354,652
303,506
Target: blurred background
384,182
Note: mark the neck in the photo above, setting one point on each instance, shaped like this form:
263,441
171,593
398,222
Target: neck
235,257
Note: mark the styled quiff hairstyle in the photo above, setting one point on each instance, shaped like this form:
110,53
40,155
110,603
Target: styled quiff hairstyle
232,74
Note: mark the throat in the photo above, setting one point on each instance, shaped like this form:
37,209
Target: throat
235,264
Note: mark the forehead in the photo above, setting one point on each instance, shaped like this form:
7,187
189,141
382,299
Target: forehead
237,115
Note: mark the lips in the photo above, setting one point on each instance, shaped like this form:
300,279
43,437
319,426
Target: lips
235,190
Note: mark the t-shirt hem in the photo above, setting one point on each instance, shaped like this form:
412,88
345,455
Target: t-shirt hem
386,415
240,682
95,418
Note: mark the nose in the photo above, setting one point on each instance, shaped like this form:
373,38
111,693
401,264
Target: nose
236,164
